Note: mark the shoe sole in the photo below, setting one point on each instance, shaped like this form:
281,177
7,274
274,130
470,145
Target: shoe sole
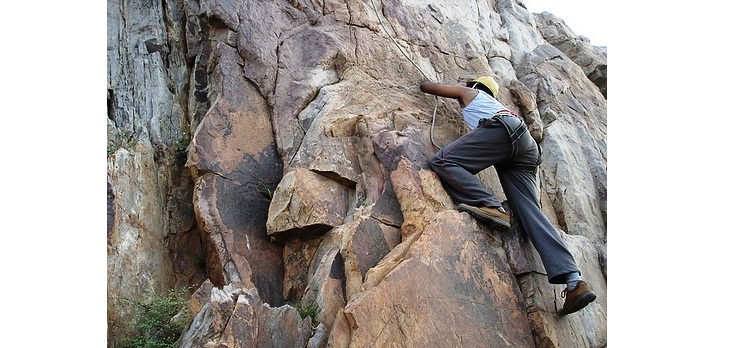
495,221
580,303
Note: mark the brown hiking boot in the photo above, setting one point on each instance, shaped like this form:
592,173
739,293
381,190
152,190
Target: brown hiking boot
497,216
577,298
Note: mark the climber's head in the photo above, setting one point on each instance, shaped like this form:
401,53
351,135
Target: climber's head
485,84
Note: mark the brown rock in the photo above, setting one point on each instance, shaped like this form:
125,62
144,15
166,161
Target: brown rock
238,318
453,288
234,164
306,203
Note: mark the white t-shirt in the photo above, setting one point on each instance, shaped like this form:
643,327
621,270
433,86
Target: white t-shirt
482,106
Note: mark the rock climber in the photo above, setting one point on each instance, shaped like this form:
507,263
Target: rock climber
497,137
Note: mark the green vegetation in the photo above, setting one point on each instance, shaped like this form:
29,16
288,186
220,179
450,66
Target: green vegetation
160,320
265,188
364,202
118,142
308,309
181,147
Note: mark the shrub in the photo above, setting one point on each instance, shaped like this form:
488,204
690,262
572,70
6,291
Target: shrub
159,320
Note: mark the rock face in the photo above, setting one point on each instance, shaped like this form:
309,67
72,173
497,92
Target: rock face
273,154
592,59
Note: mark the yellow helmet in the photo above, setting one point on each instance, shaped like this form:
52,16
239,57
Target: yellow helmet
486,81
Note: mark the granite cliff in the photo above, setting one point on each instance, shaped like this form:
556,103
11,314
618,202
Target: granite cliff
265,154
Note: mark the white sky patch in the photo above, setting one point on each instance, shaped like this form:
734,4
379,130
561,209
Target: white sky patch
589,18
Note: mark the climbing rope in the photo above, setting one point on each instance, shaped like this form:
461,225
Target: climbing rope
435,109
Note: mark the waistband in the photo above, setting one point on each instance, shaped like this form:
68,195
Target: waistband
506,112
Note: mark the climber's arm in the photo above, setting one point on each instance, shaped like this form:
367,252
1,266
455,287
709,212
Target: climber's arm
464,95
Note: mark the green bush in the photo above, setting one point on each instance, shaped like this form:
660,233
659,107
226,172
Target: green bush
158,323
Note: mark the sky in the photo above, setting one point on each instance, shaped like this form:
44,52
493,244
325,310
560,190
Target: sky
588,18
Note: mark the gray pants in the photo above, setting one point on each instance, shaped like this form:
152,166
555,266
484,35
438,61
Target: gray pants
490,144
